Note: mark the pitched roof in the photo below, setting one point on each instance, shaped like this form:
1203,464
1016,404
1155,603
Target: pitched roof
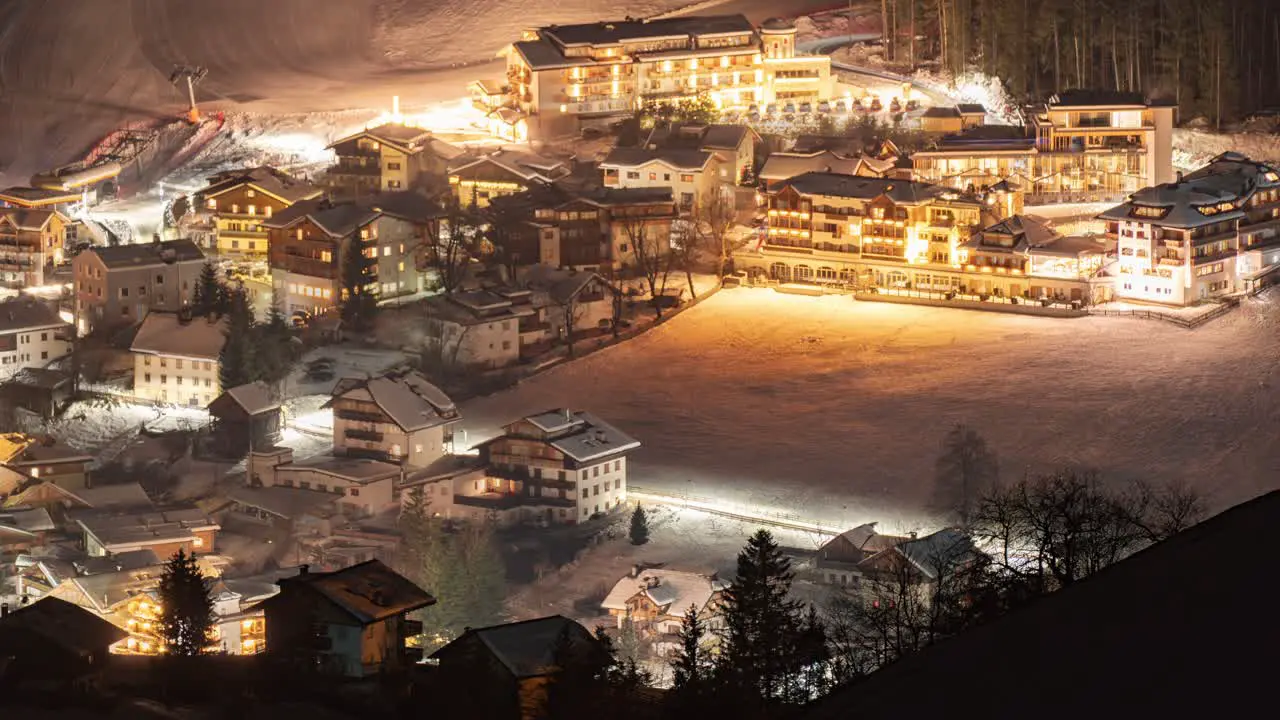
560,284
581,435
1138,634
106,590
265,178
369,592
672,590
124,495
865,188
936,551
677,158
254,398
25,312
64,624
30,520
526,649
166,334
525,165
781,166
1211,194
285,502
123,528
147,254
31,196
725,137
338,219
1026,232
408,398
940,111
971,109
405,138
30,219
616,31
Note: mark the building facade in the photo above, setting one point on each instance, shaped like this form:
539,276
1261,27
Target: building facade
475,180
1080,146
119,285
31,244
175,359
560,76
865,232
1213,232
692,175
32,335
559,465
397,418
389,158
226,216
309,241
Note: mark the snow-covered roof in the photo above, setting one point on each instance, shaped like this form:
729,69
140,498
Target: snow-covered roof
254,397
369,592
30,520
147,254
593,438
167,334
560,284
263,178
27,313
935,552
672,590
525,165
408,398
124,495
526,649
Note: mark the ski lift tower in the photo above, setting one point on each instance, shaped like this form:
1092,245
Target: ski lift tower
193,74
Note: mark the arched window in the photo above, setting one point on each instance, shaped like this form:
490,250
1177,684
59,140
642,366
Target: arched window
780,271
826,274
803,272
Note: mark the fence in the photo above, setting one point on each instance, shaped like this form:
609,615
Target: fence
776,518
1223,307
992,303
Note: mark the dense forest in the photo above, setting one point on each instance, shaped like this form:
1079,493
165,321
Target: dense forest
1217,58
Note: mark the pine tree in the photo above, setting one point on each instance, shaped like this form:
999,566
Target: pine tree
186,609
209,296
759,652
692,691
277,351
639,526
358,304
236,361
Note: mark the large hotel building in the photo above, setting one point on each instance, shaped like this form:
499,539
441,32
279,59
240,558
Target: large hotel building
1080,146
560,75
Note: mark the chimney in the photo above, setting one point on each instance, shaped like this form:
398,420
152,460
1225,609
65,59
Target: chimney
635,571
913,534
4,609
304,569
568,415
651,581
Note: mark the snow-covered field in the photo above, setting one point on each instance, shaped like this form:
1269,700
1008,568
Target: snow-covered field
836,409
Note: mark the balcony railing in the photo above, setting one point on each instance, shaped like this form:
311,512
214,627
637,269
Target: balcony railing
369,435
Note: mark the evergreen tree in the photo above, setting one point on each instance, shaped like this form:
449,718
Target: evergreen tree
358,304
639,526
691,669
186,609
277,352
236,362
759,656
209,295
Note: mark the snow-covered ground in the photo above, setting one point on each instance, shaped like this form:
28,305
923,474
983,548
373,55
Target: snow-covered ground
836,409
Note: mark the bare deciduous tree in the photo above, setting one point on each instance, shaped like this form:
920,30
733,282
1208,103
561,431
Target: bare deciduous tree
713,218
451,252
653,255
965,470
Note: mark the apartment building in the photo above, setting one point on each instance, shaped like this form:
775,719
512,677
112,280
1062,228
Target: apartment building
558,466
582,228
388,158
399,417
226,216
732,145
32,335
561,75
175,359
309,239
31,244
692,175
119,285
1080,146
476,179
1212,232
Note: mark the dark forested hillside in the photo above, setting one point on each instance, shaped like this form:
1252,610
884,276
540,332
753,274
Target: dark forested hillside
1217,58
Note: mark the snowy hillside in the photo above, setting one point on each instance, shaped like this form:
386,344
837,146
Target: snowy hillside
73,70
836,409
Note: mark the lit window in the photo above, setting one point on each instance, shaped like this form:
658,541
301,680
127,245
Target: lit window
211,204
197,541
386,251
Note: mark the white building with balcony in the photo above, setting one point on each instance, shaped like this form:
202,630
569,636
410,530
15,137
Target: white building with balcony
561,75
398,418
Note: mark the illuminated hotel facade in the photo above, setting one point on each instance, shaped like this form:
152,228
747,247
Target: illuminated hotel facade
558,76
1081,146
829,229
1214,232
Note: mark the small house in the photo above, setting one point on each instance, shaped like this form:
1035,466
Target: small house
53,643
245,416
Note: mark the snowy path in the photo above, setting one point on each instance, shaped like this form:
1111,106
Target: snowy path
835,409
